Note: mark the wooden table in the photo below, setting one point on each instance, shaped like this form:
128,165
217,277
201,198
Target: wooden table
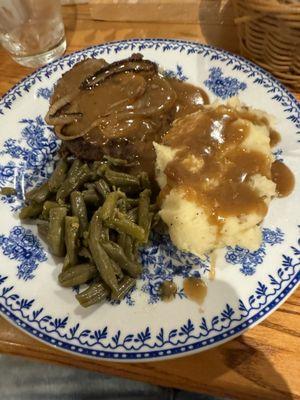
262,364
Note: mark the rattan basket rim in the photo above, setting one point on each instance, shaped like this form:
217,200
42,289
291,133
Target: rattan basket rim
270,6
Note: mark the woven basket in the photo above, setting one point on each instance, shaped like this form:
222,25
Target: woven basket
269,34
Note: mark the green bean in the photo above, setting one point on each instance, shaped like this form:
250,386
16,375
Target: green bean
91,198
31,211
85,253
56,233
97,170
118,162
66,263
144,180
143,208
77,275
39,194
8,191
75,178
118,255
129,248
42,227
47,207
105,249
75,167
96,164
71,239
125,286
121,223
84,239
151,215
100,256
117,269
133,215
58,176
89,186
124,181
109,205
143,212
122,240
135,247
130,203
84,174
85,243
104,233
121,204
95,293
79,210
102,188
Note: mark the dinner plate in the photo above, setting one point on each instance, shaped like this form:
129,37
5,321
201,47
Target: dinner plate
247,287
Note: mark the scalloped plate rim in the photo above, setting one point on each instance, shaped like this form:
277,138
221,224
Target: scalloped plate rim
287,291
185,353
191,42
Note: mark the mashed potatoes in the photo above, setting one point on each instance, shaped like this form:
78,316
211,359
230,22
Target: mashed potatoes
214,169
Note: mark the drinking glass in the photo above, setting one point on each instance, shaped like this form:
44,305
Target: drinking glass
32,31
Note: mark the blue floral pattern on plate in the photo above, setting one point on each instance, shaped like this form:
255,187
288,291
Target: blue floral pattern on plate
278,155
162,261
177,73
45,93
147,343
223,86
31,161
249,260
25,157
21,245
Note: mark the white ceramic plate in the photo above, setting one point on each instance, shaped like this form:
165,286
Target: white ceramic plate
248,285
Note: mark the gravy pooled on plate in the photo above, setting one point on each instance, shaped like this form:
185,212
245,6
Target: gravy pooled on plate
283,177
195,289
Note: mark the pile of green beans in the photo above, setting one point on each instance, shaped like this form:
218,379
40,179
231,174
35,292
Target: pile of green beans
96,216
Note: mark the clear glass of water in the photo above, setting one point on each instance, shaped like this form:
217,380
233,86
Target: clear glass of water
32,31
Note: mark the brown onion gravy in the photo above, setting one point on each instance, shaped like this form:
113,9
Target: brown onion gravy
121,104
190,98
195,289
212,166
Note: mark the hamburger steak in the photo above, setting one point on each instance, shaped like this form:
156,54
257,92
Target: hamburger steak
118,109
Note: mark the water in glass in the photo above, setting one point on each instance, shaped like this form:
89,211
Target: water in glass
32,30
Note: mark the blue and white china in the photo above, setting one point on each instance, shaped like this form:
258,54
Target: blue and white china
248,286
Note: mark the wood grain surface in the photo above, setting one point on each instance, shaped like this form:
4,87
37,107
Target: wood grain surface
262,364
210,13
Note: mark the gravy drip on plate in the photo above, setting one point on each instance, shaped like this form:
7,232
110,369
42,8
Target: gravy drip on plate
195,289
212,165
283,177
275,137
